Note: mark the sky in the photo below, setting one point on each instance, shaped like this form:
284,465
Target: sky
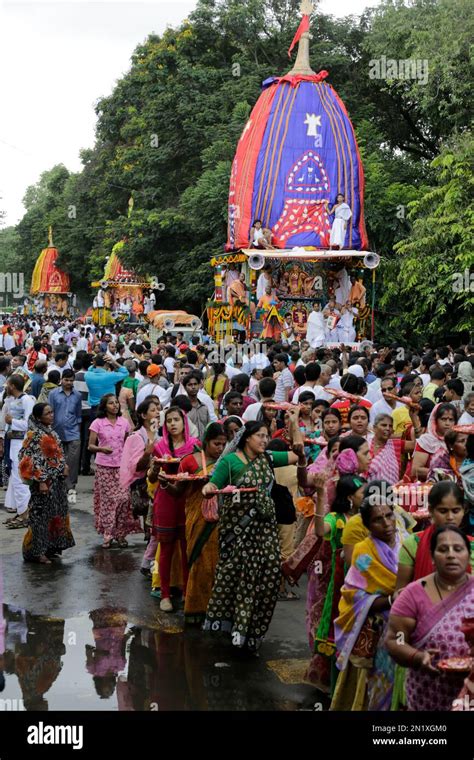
57,59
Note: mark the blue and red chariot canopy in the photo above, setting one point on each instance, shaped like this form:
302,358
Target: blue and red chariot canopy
297,150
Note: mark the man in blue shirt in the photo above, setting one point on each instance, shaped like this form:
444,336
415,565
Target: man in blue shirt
102,378
66,404
38,377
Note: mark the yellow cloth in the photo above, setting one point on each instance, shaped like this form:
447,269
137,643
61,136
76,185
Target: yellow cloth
202,571
429,392
354,531
350,693
368,572
218,389
401,420
287,539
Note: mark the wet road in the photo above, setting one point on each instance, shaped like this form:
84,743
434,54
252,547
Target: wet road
85,634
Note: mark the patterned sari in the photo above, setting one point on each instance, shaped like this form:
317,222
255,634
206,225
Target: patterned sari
372,573
440,629
386,463
322,604
248,573
41,460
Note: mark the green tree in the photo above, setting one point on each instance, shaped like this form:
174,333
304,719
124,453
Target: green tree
429,276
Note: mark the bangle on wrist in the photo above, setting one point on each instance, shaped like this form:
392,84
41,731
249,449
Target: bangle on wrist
412,662
303,465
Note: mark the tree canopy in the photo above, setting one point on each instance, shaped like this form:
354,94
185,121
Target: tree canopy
167,133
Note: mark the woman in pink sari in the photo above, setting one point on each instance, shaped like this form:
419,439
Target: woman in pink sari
169,520
386,452
134,464
429,614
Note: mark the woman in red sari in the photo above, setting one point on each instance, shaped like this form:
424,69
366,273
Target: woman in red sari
445,504
442,419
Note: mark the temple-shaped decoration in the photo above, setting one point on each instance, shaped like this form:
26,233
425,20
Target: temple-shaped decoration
297,153
50,286
122,294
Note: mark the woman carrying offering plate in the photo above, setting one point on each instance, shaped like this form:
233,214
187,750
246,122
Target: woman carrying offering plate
425,622
248,573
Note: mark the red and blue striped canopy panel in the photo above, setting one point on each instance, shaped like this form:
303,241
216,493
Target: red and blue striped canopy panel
297,150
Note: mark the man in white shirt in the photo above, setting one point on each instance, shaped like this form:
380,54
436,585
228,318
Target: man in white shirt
8,340
170,361
15,414
57,334
153,388
324,379
266,391
467,418
374,393
284,380
313,372
60,363
384,405
82,343
335,381
257,360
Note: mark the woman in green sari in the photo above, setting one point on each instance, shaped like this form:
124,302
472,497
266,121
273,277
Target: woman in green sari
248,573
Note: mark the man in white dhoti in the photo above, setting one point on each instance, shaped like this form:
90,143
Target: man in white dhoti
316,327
345,326
343,289
230,276
332,316
264,281
342,214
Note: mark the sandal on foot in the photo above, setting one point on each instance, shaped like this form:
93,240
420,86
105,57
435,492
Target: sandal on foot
107,544
17,522
287,596
122,543
43,560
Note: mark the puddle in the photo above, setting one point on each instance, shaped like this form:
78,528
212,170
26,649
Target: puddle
108,659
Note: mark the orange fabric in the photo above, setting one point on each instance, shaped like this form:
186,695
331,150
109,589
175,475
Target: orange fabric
47,277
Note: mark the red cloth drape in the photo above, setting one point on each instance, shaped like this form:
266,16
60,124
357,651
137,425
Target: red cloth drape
303,27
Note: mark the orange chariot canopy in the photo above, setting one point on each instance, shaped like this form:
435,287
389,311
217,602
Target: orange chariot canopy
47,277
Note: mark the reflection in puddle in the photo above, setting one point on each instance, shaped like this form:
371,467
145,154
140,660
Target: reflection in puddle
109,660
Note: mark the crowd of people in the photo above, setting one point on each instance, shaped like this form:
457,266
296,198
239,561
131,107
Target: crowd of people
354,468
